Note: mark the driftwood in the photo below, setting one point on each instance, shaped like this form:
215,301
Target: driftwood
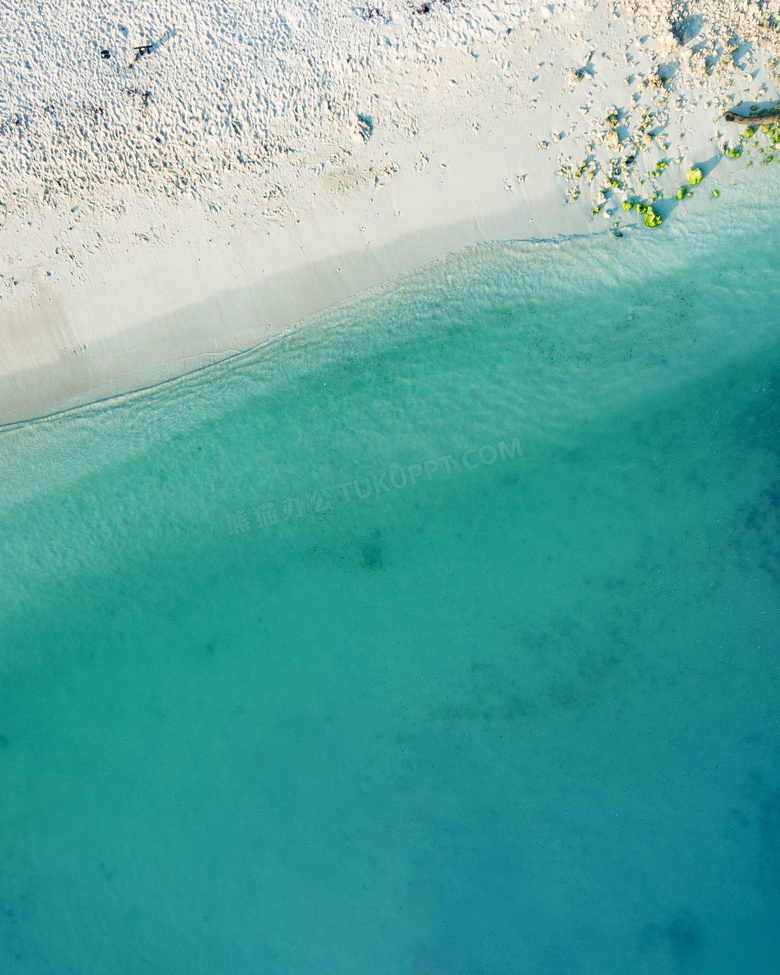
766,119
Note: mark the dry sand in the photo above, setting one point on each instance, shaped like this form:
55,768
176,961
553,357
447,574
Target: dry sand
163,209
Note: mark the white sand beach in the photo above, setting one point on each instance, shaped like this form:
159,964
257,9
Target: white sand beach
181,181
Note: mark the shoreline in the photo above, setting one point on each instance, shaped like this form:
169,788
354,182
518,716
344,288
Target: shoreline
652,345
105,292
141,352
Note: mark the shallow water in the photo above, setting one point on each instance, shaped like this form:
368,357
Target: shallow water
439,638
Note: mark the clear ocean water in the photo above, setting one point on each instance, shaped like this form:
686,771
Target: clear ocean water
440,638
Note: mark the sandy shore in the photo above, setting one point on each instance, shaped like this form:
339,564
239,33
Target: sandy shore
163,209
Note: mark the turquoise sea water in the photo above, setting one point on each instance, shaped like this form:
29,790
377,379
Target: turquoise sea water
440,638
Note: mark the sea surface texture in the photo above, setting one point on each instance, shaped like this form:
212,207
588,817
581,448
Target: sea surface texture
439,638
